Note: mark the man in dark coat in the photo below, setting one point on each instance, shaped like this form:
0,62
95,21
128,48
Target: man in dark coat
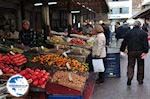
121,31
137,44
26,35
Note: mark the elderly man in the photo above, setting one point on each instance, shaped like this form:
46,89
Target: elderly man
137,44
26,35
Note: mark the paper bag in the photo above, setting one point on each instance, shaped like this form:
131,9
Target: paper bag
98,65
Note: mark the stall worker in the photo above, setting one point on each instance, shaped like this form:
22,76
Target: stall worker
26,35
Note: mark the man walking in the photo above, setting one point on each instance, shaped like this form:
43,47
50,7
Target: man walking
137,44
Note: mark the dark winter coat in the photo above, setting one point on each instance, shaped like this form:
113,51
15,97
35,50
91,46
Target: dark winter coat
26,36
135,40
121,31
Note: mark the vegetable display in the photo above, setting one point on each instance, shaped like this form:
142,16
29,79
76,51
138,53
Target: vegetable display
69,79
60,62
37,77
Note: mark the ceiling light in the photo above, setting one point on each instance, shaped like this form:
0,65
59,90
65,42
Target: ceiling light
52,3
75,11
38,4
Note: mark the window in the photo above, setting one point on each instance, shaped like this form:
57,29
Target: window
115,11
124,10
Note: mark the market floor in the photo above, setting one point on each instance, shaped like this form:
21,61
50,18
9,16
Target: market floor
116,88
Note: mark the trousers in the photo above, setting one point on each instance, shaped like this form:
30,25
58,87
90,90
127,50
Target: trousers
134,56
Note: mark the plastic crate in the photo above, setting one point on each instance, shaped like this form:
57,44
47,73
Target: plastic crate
64,97
112,65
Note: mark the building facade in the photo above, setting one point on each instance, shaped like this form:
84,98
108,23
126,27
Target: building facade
120,9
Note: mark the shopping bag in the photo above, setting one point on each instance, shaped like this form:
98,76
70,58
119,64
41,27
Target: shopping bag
98,65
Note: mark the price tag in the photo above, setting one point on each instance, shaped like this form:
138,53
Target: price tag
70,76
11,52
3,40
1,73
11,46
48,38
42,47
65,54
68,66
57,47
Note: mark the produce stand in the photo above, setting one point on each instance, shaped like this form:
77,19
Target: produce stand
44,66
56,90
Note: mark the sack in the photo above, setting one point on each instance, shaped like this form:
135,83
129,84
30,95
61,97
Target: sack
98,65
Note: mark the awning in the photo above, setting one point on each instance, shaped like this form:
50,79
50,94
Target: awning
145,13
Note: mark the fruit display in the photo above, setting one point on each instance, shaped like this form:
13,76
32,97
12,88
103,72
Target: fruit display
76,41
57,40
17,59
60,62
10,64
37,77
69,79
9,69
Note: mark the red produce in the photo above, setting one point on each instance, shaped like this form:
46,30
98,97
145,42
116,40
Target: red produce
35,83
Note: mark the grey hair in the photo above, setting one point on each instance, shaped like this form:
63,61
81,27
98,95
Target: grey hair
137,23
26,21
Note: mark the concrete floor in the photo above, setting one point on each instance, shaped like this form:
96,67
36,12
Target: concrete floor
116,88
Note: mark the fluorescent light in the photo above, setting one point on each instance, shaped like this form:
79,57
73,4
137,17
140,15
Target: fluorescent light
38,4
75,11
51,3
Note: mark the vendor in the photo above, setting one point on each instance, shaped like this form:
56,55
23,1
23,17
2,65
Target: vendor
26,35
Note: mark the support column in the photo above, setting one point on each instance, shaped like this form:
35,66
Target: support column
45,13
69,17
46,19
19,17
81,19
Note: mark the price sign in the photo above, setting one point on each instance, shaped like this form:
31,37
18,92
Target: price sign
11,52
68,66
70,76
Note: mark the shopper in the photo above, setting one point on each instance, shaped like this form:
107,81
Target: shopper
26,35
146,26
106,33
137,45
121,31
99,48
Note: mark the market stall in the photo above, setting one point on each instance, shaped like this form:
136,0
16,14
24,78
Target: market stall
59,70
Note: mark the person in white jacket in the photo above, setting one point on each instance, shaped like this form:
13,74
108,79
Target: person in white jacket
99,48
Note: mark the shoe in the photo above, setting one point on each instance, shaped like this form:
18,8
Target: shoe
140,82
129,82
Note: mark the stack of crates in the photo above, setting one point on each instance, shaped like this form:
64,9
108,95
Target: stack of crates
112,65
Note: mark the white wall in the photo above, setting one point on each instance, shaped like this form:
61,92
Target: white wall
120,4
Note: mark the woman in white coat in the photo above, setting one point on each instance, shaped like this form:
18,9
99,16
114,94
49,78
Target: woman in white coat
99,48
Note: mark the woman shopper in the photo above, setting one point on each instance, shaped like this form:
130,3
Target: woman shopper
99,49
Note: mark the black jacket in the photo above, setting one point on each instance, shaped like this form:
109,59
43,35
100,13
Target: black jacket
135,40
26,36
121,31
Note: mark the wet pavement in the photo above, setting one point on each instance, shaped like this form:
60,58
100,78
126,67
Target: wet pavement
116,88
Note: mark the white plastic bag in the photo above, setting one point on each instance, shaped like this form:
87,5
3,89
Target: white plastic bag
98,65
